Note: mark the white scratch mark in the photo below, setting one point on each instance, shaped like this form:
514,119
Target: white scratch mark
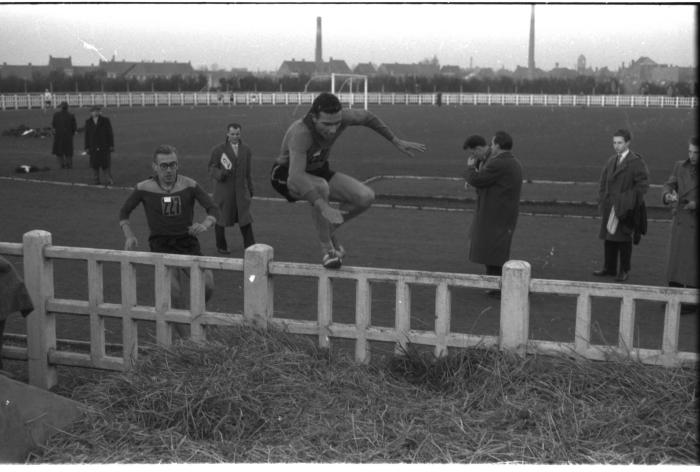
91,47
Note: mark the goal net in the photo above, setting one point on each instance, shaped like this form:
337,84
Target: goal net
345,85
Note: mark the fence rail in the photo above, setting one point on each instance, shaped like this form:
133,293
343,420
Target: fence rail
259,271
148,99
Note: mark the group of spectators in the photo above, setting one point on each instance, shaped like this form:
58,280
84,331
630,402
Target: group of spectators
497,176
99,141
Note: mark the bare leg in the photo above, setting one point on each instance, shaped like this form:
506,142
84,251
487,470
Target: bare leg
178,282
354,196
323,226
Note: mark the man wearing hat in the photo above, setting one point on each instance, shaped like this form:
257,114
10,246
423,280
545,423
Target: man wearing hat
99,144
64,128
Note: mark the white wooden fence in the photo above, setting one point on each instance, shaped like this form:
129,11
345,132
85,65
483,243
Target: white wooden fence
144,99
259,270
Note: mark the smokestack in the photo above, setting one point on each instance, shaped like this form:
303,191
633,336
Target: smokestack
319,52
531,49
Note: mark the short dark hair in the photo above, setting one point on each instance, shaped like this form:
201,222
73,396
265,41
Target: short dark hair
234,126
624,134
693,141
325,102
504,140
164,149
474,141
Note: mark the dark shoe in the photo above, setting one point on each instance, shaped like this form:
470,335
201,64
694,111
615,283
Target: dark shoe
493,293
688,309
223,251
622,276
602,273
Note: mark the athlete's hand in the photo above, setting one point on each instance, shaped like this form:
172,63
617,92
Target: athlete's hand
130,244
196,228
333,215
408,147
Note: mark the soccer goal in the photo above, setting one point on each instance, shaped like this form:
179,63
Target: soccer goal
349,80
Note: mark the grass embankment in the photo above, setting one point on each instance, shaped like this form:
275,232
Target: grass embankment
253,396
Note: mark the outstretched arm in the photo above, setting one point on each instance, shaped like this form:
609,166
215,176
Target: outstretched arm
372,121
407,147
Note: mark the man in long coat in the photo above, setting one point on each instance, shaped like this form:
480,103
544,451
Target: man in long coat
99,144
64,128
623,183
498,182
229,167
681,191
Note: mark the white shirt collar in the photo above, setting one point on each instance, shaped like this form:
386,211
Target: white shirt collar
623,155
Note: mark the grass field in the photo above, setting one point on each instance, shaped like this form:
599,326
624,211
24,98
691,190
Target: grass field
553,143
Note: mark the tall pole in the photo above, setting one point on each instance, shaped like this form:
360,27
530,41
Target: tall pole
319,51
531,49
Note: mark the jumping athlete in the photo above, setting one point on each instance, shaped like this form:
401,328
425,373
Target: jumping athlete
302,172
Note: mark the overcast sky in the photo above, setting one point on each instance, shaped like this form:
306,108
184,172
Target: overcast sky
261,36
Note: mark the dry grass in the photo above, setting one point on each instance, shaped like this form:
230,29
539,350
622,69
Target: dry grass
254,396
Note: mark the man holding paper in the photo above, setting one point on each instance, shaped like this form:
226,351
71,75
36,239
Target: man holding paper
623,184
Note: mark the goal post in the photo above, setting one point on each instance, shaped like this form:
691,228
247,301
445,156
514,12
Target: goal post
348,79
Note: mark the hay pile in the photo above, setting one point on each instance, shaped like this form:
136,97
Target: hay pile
253,396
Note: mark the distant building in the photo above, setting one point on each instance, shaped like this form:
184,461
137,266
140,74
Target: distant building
24,72
563,72
451,71
143,71
365,68
61,64
404,70
581,64
296,68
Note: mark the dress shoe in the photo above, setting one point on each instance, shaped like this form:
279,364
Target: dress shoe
602,272
223,251
689,309
622,276
495,293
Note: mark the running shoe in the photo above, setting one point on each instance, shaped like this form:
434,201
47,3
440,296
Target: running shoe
332,260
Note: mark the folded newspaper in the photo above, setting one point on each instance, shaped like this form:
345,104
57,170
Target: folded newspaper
612,221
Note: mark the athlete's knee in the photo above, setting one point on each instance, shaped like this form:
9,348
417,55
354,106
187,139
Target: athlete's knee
319,186
364,198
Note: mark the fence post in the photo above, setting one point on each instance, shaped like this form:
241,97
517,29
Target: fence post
257,288
41,325
515,306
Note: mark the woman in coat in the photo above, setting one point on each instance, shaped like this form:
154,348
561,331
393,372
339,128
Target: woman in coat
681,191
229,167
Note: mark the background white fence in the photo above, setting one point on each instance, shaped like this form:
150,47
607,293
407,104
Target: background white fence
259,270
131,99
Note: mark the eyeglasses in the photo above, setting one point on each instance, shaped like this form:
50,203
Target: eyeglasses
168,165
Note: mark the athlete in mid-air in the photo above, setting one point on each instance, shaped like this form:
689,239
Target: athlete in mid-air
302,172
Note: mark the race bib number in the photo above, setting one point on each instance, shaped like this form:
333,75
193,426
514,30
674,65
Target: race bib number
226,162
318,156
171,205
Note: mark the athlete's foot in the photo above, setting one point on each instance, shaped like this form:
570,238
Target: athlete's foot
332,260
338,247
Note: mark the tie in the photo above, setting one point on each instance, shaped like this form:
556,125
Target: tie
235,148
